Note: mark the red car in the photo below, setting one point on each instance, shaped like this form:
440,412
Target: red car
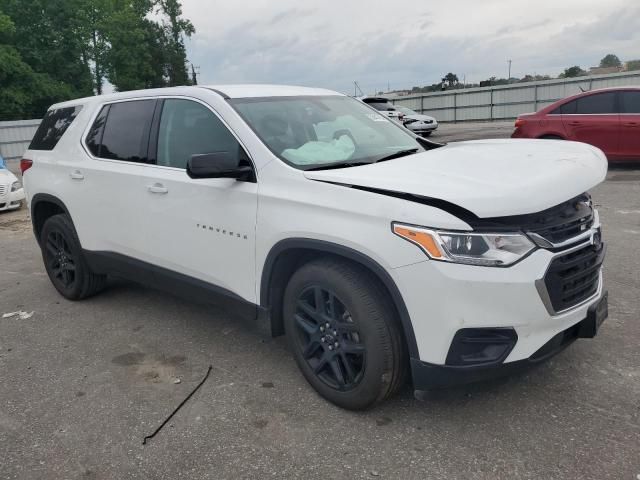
608,119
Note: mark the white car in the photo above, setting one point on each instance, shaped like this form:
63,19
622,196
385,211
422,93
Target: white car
420,124
378,253
385,107
11,191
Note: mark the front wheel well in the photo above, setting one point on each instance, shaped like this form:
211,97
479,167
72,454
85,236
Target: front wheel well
283,261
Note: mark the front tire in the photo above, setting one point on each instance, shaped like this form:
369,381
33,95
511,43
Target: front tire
344,334
64,261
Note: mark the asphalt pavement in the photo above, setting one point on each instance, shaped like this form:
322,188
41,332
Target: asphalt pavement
81,384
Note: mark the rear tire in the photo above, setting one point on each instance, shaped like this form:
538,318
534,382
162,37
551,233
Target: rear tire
63,259
344,333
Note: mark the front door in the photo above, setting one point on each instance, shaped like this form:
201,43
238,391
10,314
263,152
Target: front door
202,228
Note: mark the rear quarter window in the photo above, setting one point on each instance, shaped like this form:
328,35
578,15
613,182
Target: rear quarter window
53,126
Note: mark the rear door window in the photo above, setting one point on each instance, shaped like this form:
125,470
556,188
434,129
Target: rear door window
125,134
631,102
598,104
53,126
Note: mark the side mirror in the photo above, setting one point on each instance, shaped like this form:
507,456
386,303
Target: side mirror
217,165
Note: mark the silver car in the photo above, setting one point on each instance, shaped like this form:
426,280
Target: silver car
418,123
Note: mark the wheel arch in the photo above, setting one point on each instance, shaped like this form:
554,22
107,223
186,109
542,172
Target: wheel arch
552,135
43,206
286,256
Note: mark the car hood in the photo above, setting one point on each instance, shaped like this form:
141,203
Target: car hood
490,178
6,176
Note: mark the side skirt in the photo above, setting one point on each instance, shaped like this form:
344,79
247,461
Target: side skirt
184,286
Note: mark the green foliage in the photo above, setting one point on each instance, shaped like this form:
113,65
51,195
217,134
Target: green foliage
633,65
571,72
24,93
175,30
450,79
610,60
54,50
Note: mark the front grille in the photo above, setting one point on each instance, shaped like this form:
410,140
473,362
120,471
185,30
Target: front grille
573,277
556,224
3,189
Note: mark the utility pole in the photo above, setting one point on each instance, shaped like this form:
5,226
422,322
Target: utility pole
356,87
509,77
195,71
388,86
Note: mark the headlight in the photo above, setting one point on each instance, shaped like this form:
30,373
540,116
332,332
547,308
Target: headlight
16,186
486,249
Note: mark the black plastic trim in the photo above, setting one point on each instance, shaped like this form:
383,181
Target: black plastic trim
467,341
428,376
160,278
351,254
44,198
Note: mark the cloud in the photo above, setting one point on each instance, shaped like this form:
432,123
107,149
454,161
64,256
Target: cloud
331,43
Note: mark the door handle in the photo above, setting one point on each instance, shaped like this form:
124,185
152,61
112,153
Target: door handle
76,175
575,124
157,188
631,124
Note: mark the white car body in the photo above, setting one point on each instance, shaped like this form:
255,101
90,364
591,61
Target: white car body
11,191
227,233
418,123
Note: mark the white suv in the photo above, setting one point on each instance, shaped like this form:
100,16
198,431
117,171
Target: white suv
378,253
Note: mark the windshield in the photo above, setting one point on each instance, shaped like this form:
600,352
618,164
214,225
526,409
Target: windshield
308,132
406,111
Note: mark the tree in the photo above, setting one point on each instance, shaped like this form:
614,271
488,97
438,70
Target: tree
67,49
23,93
571,72
48,39
176,29
534,78
450,79
633,65
610,60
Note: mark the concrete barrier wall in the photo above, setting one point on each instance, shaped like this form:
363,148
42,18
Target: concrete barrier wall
15,137
504,102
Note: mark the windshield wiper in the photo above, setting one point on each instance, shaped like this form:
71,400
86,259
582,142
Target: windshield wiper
398,154
329,166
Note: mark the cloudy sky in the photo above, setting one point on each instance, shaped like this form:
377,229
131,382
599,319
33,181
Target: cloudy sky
331,43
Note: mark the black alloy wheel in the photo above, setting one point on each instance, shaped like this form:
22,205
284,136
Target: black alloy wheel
329,339
344,333
64,260
60,260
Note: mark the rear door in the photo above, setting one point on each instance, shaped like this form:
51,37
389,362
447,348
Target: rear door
202,228
106,189
630,124
594,119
